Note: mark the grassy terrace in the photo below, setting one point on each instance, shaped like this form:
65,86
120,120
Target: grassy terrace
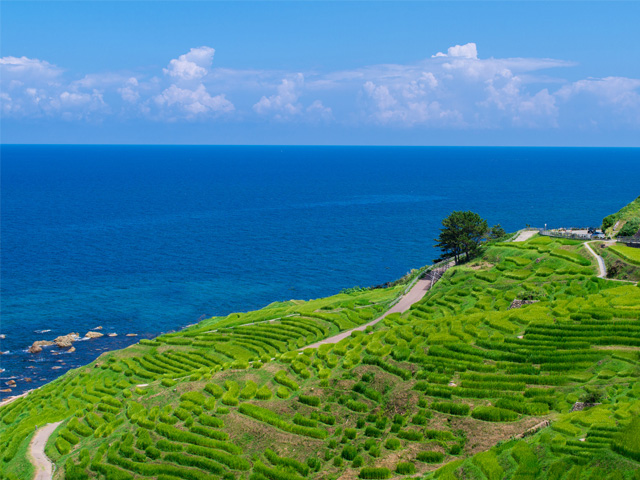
441,391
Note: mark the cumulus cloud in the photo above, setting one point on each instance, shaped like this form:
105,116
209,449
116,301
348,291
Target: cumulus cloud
193,102
617,91
285,101
455,89
468,50
192,65
129,92
28,70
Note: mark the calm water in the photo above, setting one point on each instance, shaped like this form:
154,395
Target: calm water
145,239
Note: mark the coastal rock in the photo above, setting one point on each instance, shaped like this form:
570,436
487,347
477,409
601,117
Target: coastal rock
99,327
10,383
37,346
28,379
56,368
71,350
65,341
6,390
112,334
132,335
93,335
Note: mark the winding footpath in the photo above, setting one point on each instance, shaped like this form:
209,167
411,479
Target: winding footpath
414,295
40,461
601,266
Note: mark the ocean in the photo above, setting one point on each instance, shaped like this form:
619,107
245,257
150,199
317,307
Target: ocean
148,239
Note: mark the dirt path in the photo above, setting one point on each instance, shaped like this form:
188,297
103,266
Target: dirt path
42,464
525,235
416,293
601,266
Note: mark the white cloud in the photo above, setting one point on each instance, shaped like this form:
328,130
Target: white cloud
318,111
191,103
618,91
129,92
191,66
468,50
285,102
28,70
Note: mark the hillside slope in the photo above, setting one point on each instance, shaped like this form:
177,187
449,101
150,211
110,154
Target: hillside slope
441,391
625,222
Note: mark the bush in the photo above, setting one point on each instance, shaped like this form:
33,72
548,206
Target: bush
267,416
249,390
63,446
357,406
371,473
349,452
405,468
263,393
214,390
452,408
282,392
210,421
392,444
282,379
309,400
430,457
195,397
494,414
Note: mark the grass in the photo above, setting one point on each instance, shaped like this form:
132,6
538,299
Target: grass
630,254
443,383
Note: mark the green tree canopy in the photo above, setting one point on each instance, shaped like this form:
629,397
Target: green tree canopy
461,234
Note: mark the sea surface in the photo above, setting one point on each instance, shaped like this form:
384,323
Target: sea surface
149,239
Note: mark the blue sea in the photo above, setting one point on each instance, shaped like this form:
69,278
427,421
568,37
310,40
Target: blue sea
148,239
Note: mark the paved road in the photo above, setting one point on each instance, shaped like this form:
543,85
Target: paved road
601,266
42,464
525,235
416,293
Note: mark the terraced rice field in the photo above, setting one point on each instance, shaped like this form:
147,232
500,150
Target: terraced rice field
442,391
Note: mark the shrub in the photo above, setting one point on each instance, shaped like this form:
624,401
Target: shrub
357,406
210,421
372,473
195,397
215,390
282,378
405,468
452,408
249,390
430,457
301,468
263,393
392,444
494,414
167,382
63,446
282,392
267,416
309,400
411,435
349,452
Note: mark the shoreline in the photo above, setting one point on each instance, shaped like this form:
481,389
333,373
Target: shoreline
413,277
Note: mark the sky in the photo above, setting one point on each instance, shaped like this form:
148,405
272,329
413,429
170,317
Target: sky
321,73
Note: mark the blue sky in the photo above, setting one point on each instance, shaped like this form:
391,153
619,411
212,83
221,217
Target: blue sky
363,73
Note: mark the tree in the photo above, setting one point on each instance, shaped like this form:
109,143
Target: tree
461,233
497,232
